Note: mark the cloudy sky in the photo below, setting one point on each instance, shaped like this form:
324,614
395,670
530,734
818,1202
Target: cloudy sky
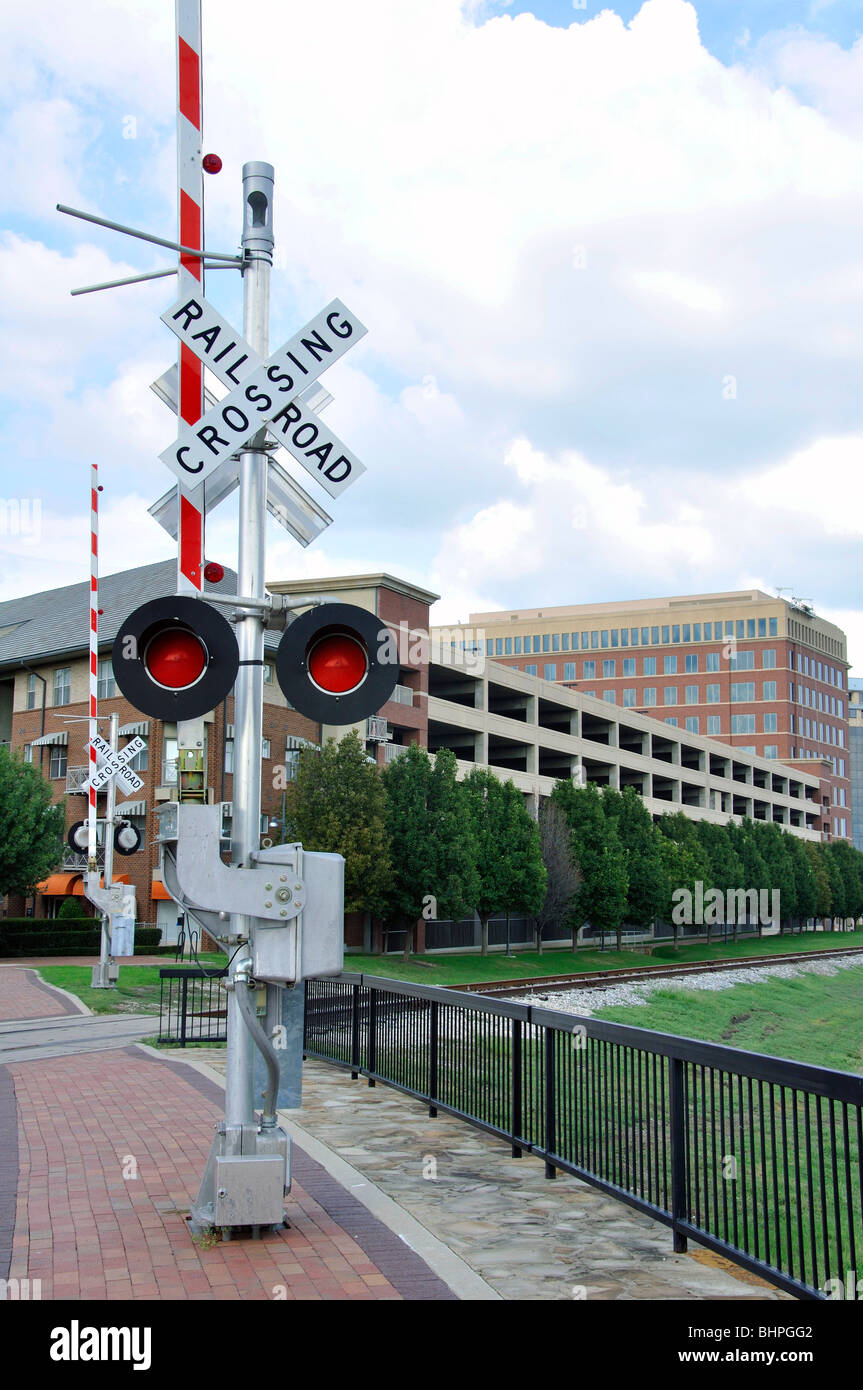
610,260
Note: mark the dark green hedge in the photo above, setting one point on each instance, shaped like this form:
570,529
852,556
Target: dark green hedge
40,940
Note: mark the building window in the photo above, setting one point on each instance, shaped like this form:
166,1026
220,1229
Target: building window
742,692
672,721
771,750
768,658
762,627
654,637
649,695
708,632
229,755
609,697
742,661
265,749
530,670
692,695
714,726
594,640
769,690
696,632
550,670
712,692
691,660
774,627
675,633
546,642
507,646
649,666
629,665
535,643
743,723
644,635
564,641
624,636
569,670
712,661
498,646
609,667
28,752
589,672
555,641
58,760
770,725
670,666
63,685
268,673
31,692
692,724
687,633
106,687
629,698
670,695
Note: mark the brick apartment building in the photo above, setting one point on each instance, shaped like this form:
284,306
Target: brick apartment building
44,686
763,674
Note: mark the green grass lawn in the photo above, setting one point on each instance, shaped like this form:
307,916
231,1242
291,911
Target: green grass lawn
812,1018
472,969
137,989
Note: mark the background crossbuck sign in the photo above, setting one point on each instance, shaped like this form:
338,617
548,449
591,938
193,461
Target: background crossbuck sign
267,394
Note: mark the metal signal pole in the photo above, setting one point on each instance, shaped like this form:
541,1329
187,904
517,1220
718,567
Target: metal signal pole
257,243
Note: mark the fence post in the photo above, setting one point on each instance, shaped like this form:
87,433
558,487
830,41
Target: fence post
516,1086
373,1019
355,1032
550,1115
184,995
677,1097
433,1059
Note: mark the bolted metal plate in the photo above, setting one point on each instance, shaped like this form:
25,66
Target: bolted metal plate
249,1190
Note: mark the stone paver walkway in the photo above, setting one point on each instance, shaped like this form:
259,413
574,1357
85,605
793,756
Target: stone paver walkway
526,1236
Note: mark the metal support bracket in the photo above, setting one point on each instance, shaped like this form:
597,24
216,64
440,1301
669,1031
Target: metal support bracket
273,893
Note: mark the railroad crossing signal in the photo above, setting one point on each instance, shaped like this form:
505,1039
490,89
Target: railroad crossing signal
175,658
114,764
335,665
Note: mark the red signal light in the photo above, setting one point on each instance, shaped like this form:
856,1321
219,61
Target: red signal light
175,658
211,163
214,573
338,663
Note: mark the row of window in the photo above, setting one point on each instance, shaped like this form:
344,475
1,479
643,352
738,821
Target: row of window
590,667
742,692
816,699
813,728
716,631
818,670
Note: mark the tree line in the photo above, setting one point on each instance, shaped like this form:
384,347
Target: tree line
420,843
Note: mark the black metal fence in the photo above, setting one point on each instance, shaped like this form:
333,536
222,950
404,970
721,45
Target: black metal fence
193,1006
757,1158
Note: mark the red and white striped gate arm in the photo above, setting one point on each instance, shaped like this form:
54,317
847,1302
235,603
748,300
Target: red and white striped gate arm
190,180
94,662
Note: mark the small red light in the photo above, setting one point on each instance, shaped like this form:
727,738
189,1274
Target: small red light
175,658
212,163
213,573
338,663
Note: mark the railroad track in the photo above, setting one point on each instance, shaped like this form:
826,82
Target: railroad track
595,979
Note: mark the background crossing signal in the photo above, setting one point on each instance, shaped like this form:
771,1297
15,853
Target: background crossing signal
337,663
175,658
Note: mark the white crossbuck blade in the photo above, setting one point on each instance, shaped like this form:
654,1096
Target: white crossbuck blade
288,503
268,393
113,764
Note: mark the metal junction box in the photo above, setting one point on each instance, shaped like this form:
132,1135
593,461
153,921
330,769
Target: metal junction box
249,1189
312,945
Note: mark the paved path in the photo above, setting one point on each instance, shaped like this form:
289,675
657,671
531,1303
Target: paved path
527,1237
110,1148
38,1039
24,995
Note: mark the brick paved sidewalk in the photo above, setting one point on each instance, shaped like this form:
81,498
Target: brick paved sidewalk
88,1232
24,995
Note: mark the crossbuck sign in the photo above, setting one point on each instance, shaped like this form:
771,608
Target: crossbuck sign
265,395
114,764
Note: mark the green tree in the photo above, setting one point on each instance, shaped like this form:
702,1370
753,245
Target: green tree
337,804
71,909
639,838
755,871
805,885
432,845
780,868
31,829
488,812
838,886
726,870
823,891
526,872
686,864
601,896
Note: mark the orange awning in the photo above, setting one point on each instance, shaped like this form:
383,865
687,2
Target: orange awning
159,893
78,890
59,885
